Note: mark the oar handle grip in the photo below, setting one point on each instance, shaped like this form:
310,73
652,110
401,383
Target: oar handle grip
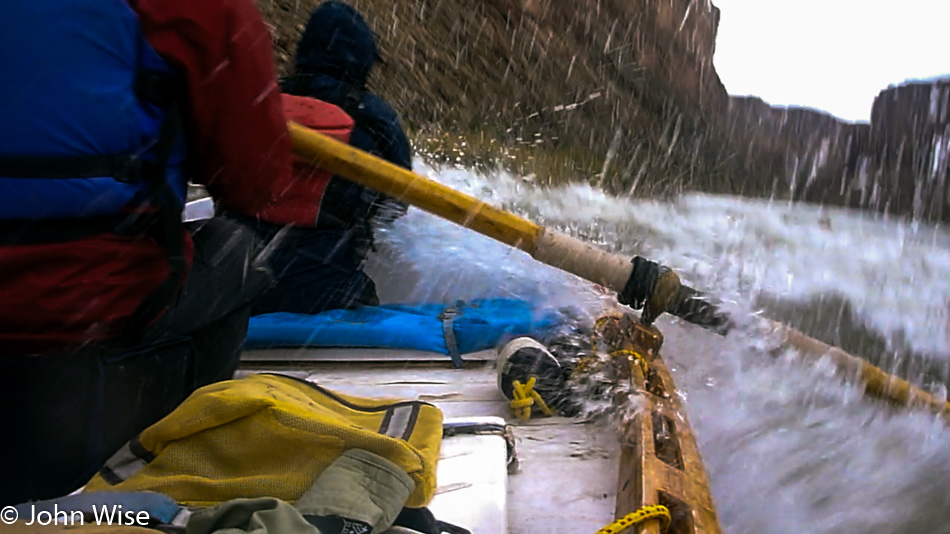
581,258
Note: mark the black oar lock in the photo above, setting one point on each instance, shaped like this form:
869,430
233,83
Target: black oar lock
657,290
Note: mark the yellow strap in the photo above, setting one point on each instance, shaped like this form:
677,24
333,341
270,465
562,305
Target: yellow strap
602,320
525,397
582,366
598,324
655,511
636,356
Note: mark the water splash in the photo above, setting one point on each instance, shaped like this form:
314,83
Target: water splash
789,448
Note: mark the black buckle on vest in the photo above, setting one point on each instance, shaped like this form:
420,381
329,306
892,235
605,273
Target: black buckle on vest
124,167
128,168
155,87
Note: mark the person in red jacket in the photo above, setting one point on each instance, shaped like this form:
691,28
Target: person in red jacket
112,312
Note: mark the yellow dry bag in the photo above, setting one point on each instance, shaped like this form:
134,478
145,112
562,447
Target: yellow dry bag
271,436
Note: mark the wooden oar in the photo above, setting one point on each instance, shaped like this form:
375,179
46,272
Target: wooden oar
638,283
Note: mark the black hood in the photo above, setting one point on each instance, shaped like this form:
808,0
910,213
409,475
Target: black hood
337,42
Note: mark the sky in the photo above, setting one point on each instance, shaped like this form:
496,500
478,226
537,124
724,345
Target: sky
832,55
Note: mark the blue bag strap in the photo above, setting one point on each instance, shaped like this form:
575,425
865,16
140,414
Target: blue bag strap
448,332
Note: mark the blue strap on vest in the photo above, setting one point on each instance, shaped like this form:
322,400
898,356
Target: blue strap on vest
129,168
92,136
81,127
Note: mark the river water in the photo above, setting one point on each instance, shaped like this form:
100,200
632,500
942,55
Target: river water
789,447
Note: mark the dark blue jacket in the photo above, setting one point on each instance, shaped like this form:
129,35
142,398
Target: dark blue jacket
334,58
318,269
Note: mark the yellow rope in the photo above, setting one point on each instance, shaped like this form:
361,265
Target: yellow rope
636,356
647,512
525,397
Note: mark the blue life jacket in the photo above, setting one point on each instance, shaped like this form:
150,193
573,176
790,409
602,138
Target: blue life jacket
86,126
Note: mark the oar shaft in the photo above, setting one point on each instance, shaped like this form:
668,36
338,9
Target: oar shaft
547,246
565,252
877,382
397,182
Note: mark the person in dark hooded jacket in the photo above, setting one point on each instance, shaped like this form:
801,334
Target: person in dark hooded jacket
319,269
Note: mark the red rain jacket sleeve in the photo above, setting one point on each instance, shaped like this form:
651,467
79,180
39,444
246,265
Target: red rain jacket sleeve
234,119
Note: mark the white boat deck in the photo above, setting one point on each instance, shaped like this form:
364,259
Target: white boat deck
567,474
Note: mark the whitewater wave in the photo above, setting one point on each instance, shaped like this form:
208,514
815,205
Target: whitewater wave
789,447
